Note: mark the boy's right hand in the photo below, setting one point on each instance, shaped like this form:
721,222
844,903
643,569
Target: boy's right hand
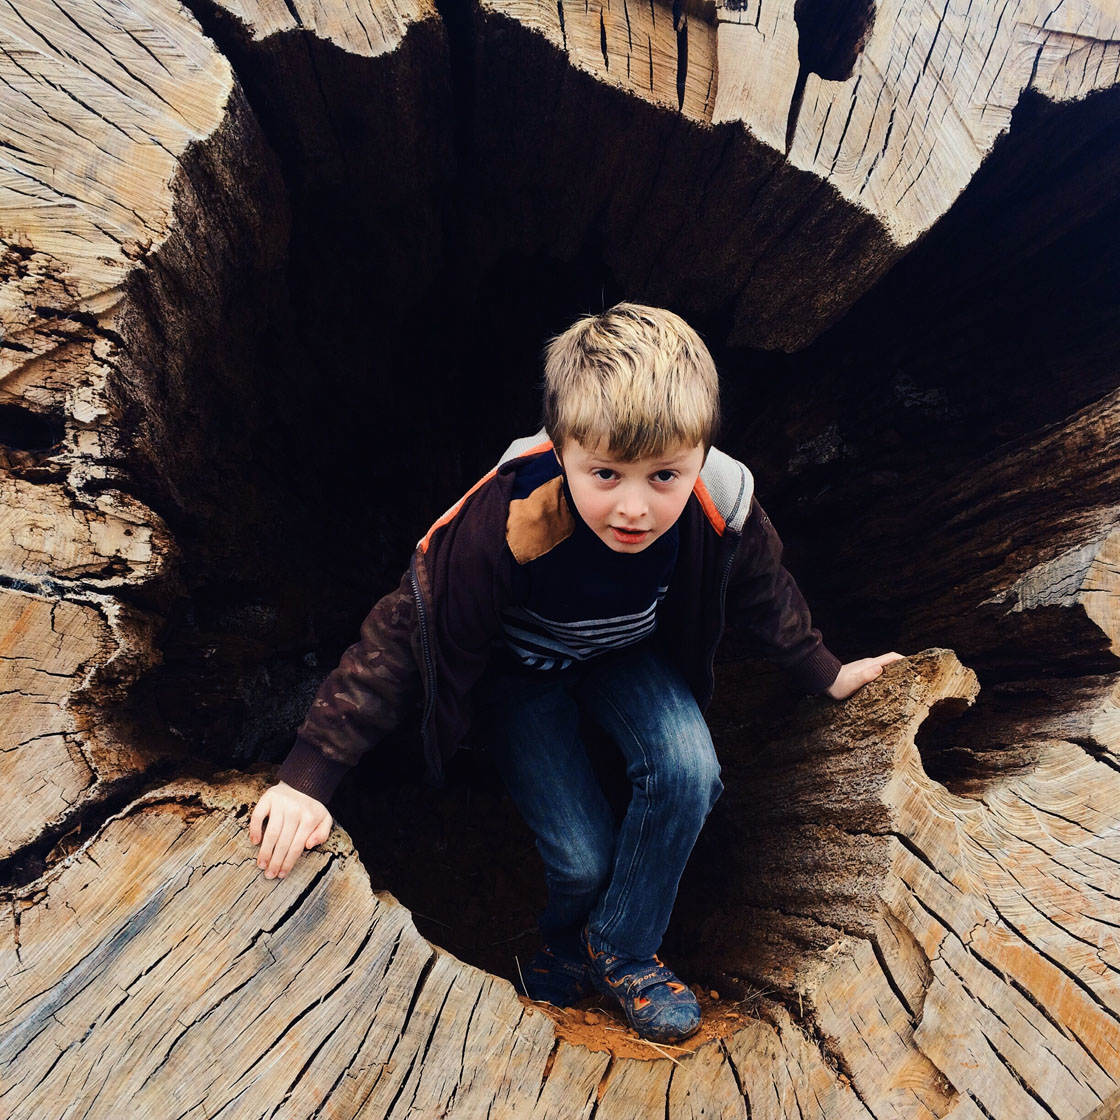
296,821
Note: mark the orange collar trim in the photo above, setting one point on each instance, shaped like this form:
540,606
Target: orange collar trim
719,523
450,514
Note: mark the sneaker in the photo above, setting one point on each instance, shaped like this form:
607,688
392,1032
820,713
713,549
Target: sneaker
557,977
655,1002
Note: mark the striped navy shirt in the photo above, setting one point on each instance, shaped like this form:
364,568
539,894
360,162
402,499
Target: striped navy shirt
582,599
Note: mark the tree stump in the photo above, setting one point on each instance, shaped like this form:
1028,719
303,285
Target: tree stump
944,956
259,263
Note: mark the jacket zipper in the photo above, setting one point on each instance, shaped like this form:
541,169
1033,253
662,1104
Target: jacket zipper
719,631
435,765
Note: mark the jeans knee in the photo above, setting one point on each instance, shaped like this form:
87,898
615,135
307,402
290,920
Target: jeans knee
693,778
706,779
580,868
716,789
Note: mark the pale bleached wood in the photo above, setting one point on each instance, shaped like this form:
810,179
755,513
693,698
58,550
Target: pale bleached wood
784,1074
930,92
636,1090
682,211
232,927
98,103
757,68
160,946
820,184
931,89
365,27
631,45
44,774
864,1008
571,1087
129,967
1017,910
705,1086
1107,1110
107,109
112,540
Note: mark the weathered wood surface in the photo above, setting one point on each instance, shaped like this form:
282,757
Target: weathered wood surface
89,151
1019,554
975,931
972,972
893,133
928,89
162,196
367,28
1036,549
125,139
928,93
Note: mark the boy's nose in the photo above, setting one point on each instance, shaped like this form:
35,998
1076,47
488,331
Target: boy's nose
631,505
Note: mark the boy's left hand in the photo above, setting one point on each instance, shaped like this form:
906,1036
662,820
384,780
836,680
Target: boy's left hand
856,674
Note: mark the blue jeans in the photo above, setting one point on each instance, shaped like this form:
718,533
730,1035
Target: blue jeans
621,881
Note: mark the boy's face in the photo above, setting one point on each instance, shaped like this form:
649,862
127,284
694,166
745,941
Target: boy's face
629,504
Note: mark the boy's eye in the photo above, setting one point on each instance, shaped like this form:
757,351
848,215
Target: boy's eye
604,474
665,476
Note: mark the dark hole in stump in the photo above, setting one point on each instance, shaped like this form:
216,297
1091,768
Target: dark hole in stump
830,35
21,429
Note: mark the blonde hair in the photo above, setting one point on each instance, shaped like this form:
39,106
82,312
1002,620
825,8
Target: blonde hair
638,378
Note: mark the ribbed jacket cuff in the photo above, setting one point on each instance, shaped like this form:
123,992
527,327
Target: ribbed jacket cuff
307,769
817,671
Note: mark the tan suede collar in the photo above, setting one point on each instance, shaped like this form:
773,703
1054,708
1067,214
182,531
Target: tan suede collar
539,522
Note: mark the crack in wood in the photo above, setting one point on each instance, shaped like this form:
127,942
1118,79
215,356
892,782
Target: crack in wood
1017,1077
478,1001
296,904
286,1096
1061,1030
736,1077
67,92
388,1066
466,1038
847,122
86,972
120,62
1056,964
601,1087
549,1062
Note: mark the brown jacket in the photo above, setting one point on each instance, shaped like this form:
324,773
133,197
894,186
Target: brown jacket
431,639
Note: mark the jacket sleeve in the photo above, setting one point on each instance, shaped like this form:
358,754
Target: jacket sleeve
377,680
764,599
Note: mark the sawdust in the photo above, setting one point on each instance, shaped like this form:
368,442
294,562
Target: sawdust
593,1025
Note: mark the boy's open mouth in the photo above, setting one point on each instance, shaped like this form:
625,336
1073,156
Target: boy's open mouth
630,536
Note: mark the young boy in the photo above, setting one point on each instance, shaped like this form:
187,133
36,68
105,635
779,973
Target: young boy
592,572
